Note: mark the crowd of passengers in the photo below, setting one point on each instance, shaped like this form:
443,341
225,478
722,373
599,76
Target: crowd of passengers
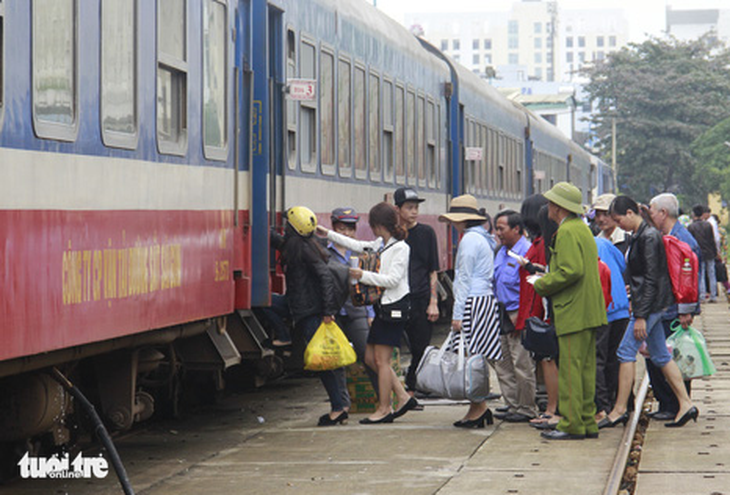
607,295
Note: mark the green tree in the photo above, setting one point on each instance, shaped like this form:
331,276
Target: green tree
711,152
663,93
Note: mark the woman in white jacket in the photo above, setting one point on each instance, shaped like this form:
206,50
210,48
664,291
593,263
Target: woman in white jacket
475,318
391,313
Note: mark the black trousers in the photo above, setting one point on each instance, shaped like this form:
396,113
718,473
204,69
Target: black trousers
663,393
418,333
607,342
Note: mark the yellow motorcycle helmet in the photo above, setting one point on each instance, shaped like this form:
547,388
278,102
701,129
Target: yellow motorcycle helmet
302,219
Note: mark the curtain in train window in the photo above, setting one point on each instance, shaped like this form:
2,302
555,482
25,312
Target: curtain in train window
327,102
118,72
172,76
360,134
54,61
215,111
344,111
374,126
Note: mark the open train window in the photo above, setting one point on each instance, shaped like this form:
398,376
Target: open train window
388,130
430,143
172,76
55,79
411,143
421,141
520,165
308,109
359,123
483,177
119,73
501,142
344,114
374,126
400,123
291,105
215,80
327,109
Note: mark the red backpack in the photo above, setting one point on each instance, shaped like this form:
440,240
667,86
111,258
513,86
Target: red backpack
683,270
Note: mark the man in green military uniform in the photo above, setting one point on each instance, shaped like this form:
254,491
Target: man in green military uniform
574,286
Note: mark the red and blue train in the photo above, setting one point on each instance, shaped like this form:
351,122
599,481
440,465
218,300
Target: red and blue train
146,147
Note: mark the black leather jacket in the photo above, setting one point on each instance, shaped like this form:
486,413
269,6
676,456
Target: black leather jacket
309,283
651,288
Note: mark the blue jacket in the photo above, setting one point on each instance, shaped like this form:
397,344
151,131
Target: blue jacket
612,257
474,268
507,275
680,232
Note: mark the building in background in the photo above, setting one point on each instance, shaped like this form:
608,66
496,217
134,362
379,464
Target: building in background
692,24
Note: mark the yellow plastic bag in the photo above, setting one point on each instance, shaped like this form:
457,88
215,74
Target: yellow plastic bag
329,349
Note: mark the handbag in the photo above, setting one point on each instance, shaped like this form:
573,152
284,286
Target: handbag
329,349
689,351
720,271
399,310
539,337
451,374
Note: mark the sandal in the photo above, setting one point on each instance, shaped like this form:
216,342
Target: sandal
542,418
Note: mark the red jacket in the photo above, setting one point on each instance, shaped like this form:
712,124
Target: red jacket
605,272
530,302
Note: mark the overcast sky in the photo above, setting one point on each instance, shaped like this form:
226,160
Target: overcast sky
645,16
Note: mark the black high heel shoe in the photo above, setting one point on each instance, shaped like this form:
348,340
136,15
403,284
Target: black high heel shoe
486,418
325,419
691,413
607,423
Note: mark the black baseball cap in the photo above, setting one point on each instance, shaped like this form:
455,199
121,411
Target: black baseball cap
344,215
403,194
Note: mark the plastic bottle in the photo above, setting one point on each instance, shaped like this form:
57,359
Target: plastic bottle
686,276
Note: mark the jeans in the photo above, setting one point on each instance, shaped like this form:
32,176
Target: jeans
418,331
655,342
332,380
708,267
276,316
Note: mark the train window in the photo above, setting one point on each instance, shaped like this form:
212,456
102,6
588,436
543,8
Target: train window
482,172
291,105
374,126
118,73
388,130
215,75
360,139
344,110
54,69
172,77
327,107
411,143
520,164
421,141
430,142
441,146
2,57
400,171
501,164
308,110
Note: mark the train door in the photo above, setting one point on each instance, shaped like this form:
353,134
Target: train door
276,111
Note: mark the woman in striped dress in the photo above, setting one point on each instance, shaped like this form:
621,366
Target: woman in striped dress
475,317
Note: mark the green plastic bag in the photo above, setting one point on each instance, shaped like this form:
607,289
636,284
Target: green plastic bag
329,349
689,351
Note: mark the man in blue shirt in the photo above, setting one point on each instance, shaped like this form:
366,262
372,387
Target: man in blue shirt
664,211
516,370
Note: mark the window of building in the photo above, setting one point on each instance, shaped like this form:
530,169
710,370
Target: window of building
374,126
444,45
581,41
308,109
538,43
600,55
388,140
400,102
581,57
118,73
327,109
569,42
360,130
599,41
172,76
54,69
538,73
455,45
538,58
457,58
538,28
291,105
513,27
513,42
475,59
215,74
611,41
487,44
344,110
488,59
513,59
569,57
475,44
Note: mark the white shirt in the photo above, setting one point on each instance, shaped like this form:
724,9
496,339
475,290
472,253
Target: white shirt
393,276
